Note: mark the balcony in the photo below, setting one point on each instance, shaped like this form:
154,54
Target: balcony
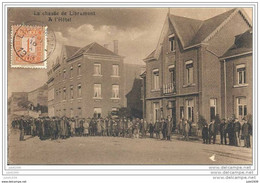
169,88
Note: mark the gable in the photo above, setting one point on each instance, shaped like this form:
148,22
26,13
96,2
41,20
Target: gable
185,28
224,38
192,32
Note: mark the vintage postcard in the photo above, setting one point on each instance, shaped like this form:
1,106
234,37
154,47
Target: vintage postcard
130,86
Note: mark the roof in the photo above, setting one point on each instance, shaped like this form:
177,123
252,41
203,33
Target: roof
70,50
241,46
192,32
143,74
151,55
209,25
41,88
93,48
185,27
137,84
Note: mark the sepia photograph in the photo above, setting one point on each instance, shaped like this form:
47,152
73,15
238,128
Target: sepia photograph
130,86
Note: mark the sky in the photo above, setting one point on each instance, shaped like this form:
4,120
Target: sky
136,29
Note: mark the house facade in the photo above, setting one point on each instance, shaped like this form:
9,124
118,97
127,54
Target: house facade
237,72
86,81
183,73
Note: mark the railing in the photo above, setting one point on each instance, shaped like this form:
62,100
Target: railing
168,88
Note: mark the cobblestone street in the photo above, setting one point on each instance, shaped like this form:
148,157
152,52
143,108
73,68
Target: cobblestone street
116,150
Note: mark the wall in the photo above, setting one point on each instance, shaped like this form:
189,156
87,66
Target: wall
234,91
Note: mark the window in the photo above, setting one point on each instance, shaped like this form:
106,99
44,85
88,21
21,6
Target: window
156,79
64,93
97,90
71,92
213,107
97,112
172,43
156,111
97,69
64,74
71,71
172,73
115,70
189,71
115,91
181,112
79,90
241,107
190,109
79,111
241,74
57,92
79,69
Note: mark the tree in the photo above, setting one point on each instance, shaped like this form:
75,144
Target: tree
24,104
124,112
202,122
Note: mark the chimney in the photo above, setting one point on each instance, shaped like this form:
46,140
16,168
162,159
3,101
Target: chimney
116,46
106,46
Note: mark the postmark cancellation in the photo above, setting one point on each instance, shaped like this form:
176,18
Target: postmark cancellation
29,47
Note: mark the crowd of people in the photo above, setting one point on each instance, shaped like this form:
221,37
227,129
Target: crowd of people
64,127
232,130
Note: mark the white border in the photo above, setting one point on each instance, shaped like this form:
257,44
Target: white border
116,169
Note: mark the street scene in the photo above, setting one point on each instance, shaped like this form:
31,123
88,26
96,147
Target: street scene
118,150
171,86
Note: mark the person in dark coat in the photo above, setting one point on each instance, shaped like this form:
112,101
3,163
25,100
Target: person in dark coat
205,134
157,129
52,128
21,128
222,130
237,128
246,131
230,131
151,129
41,129
169,128
213,131
186,130
164,128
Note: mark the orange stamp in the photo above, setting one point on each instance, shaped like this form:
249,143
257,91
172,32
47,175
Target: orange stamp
30,46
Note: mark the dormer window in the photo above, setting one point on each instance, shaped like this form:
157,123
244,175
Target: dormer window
172,42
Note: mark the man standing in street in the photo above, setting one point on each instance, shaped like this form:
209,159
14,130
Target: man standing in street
205,134
169,128
237,128
186,130
164,128
222,129
21,127
212,131
246,130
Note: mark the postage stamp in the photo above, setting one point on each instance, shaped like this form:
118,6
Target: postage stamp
29,48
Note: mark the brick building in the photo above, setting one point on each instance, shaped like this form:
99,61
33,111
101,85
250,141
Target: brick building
86,81
237,73
183,73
